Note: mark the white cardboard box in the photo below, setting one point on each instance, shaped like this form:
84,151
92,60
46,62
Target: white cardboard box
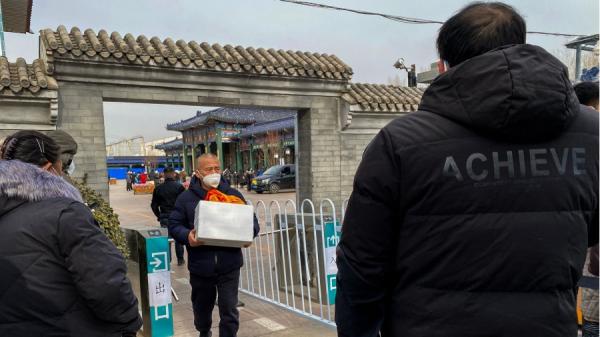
224,224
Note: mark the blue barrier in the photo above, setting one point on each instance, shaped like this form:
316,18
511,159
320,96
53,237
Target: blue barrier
121,172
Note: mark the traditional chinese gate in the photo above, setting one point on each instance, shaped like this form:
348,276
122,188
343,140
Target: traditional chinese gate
91,68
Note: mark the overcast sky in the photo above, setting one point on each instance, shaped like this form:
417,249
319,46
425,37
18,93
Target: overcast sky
370,45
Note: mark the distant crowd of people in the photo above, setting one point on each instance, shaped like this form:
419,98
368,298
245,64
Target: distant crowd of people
242,178
156,177
237,179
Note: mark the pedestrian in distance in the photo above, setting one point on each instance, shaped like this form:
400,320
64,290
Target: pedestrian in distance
587,94
143,178
156,179
61,276
227,175
129,181
234,179
213,270
472,216
239,176
249,176
163,201
153,176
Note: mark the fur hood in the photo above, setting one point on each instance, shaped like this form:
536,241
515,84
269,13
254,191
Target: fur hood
27,182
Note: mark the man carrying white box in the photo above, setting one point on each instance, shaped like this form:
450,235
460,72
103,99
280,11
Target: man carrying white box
214,222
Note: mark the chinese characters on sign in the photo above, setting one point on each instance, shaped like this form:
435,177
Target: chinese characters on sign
159,286
332,238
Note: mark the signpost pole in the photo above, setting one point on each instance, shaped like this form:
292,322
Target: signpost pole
155,283
332,237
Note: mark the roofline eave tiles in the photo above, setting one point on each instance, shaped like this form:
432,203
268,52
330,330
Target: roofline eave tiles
114,48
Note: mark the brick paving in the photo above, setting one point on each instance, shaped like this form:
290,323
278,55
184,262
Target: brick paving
257,317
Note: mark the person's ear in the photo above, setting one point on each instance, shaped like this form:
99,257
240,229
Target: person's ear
50,168
47,166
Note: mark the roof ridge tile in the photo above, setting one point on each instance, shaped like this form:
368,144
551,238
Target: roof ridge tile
21,77
383,97
114,48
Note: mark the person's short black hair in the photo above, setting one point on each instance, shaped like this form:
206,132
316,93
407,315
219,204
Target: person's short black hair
587,92
168,170
31,147
479,28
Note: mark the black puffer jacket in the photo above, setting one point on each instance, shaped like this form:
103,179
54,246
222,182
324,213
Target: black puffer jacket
471,217
60,275
164,197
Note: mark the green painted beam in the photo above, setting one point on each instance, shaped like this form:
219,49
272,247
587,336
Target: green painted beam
219,136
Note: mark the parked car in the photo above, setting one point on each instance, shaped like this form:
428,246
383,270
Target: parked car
275,178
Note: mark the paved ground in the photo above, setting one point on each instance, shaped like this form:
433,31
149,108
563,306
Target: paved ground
258,318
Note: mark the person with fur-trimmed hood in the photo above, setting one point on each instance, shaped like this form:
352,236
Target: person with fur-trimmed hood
61,276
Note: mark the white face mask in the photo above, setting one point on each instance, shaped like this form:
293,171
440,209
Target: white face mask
212,180
71,168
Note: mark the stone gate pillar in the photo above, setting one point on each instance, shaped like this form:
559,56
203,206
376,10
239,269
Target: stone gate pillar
80,113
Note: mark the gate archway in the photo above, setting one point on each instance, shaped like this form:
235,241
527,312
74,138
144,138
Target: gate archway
94,68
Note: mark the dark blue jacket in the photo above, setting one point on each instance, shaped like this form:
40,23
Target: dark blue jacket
203,260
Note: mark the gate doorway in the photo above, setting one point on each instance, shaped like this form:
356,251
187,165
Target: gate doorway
150,137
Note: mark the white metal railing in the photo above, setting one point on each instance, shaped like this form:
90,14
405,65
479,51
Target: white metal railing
292,260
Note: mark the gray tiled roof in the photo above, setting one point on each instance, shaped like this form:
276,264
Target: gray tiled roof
383,98
170,145
230,115
16,15
20,76
258,128
140,50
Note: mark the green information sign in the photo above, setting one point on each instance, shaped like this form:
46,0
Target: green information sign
332,238
159,286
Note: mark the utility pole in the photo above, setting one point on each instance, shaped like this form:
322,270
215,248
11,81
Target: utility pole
411,73
2,47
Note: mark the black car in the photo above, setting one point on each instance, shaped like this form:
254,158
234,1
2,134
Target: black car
275,178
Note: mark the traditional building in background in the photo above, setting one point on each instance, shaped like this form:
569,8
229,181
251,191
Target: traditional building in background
173,152
137,155
252,138
217,131
268,143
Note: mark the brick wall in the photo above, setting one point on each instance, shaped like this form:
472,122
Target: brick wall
81,115
353,146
